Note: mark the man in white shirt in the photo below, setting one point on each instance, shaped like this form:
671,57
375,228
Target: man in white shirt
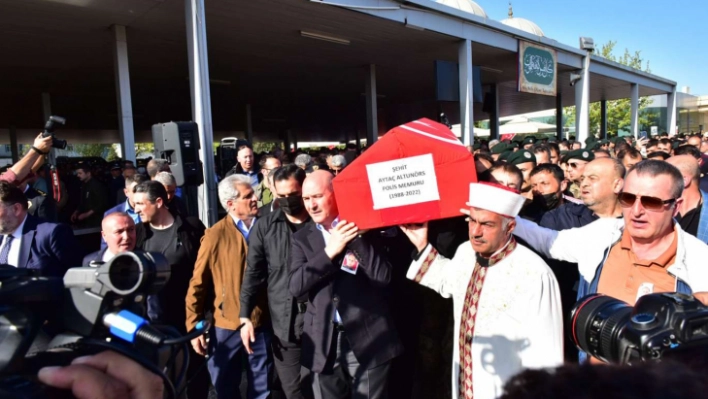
505,298
118,231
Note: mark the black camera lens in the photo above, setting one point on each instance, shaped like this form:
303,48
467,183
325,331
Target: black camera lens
124,273
597,322
137,272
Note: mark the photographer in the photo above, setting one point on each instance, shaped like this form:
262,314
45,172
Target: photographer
644,252
30,162
107,375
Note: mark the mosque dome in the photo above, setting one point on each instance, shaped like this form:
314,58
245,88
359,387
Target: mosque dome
465,5
522,24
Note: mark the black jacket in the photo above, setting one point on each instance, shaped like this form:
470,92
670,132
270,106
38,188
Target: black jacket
568,216
189,234
96,256
268,252
361,300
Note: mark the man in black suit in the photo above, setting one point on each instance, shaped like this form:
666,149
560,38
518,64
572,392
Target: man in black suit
118,231
31,243
349,338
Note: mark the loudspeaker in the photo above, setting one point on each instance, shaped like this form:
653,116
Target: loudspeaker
178,143
227,152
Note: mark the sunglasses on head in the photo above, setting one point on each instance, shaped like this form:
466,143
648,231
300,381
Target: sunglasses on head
649,203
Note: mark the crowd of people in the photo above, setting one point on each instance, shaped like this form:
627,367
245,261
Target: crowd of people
309,303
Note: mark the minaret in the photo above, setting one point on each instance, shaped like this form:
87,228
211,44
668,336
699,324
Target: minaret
511,12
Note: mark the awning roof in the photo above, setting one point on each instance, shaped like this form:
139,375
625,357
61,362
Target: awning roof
256,56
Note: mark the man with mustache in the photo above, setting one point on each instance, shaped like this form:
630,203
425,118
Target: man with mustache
505,298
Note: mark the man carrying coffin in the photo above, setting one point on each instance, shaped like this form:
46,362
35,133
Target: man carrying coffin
506,300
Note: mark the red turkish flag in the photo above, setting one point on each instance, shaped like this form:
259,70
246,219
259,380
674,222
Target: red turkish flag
416,172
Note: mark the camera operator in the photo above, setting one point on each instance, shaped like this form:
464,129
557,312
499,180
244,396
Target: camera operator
106,375
31,243
30,162
644,252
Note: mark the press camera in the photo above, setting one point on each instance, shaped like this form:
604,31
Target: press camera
49,128
49,321
656,327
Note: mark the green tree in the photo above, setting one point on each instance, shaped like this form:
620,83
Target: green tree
619,115
105,151
264,146
142,149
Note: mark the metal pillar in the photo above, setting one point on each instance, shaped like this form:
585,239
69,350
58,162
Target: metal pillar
372,122
249,124
464,56
494,114
123,95
201,105
634,100
559,115
603,119
13,145
582,103
671,112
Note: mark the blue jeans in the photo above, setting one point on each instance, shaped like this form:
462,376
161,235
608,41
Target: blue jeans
226,357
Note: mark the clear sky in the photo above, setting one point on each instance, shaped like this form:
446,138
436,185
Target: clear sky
671,34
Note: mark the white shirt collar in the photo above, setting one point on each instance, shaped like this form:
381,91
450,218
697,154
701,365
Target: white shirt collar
18,231
108,255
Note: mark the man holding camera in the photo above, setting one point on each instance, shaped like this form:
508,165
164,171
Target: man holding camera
30,162
644,252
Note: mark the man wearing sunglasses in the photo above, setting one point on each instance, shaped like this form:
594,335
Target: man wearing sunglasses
643,253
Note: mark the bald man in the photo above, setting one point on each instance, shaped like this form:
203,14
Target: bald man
693,210
118,231
349,337
695,141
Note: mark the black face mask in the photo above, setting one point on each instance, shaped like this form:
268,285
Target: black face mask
291,205
548,201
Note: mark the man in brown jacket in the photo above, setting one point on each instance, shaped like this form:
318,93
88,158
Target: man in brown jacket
218,274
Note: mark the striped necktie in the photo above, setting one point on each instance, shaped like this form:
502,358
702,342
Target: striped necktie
5,251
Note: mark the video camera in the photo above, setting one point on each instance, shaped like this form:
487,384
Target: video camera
49,131
49,321
658,326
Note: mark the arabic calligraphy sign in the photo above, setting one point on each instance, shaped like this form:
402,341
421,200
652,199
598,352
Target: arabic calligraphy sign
537,69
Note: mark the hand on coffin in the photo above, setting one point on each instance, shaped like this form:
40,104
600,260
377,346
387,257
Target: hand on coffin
417,234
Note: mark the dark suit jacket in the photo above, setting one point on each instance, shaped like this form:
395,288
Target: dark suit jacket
49,248
360,299
94,257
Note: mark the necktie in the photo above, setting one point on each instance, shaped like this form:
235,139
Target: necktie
5,251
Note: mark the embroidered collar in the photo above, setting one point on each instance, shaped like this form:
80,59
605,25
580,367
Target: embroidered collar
498,256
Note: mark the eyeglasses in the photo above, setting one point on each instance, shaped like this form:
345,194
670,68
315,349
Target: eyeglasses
649,203
575,165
